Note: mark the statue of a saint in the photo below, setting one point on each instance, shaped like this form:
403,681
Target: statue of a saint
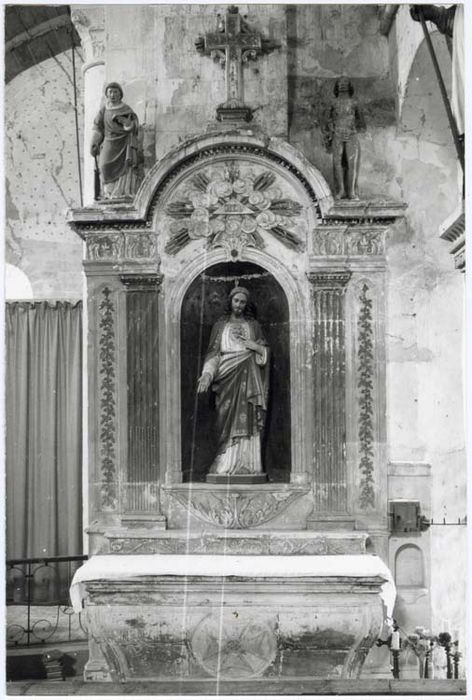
344,122
115,139
236,367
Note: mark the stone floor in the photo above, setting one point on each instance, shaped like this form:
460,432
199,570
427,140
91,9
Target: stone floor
262,687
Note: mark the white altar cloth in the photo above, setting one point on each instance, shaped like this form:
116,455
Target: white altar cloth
113,566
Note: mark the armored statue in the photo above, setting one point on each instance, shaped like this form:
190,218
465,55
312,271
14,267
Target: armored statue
344,121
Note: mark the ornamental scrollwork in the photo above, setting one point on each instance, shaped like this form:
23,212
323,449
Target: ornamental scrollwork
107,359
232,206
139,245
210,544
119,246
105,246
346,242
236,509
365,383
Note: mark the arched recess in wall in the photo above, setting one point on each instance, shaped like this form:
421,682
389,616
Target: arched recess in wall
423,113
17,284
430,170
203,304
409,567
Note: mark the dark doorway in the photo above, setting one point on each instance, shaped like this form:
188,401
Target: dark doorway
203,304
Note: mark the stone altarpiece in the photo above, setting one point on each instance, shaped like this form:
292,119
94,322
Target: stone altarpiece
233,200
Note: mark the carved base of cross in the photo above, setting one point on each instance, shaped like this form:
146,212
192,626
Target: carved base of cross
234,113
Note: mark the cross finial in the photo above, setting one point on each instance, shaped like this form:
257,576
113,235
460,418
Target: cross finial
232,45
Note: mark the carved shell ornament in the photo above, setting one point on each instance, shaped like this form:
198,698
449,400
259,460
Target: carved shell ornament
232,208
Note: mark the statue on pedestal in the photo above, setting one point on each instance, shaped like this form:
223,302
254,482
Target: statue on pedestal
236,367
343,124
115,140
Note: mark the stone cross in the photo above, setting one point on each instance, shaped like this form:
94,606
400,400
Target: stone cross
232,45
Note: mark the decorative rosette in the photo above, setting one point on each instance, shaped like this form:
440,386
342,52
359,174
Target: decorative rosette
232,210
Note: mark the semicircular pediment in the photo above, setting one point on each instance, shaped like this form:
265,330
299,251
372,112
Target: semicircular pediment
234,202
242,145
233,191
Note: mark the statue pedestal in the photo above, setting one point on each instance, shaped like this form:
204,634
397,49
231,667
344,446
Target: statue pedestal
236,478
232,617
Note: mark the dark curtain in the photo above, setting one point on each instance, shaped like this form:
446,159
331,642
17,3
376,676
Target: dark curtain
43,429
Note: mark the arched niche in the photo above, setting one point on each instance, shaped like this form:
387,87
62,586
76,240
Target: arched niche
204,302
273,233
409,567
297,299
422,110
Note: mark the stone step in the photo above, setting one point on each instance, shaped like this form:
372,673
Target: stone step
265,686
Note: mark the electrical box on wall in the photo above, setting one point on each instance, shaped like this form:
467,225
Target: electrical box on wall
405,517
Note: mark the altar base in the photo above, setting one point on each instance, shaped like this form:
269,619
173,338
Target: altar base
290,623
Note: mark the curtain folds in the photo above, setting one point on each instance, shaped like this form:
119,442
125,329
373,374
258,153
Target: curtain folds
43,429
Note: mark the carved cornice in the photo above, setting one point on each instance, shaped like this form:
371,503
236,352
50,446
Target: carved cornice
376,211
136,282
455,230
120,246
455,233
110,219
329,280
90,25
214,543
349,240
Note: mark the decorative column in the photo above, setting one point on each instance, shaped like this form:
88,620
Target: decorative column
140,496
329,368
89,21
122,276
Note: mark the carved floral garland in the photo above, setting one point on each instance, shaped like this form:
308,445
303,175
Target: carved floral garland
366,409
107,399
231,211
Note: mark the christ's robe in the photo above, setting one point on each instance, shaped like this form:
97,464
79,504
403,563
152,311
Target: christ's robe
240,381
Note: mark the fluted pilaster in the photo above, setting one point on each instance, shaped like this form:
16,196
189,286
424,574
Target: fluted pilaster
141,480
329,369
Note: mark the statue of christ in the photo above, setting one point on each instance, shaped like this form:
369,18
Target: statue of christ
236,368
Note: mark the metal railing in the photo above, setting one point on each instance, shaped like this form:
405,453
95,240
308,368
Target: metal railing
38,604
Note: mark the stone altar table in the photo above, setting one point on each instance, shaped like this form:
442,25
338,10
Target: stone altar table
201,617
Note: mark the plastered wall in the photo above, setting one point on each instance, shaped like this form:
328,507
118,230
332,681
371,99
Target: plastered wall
42,177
